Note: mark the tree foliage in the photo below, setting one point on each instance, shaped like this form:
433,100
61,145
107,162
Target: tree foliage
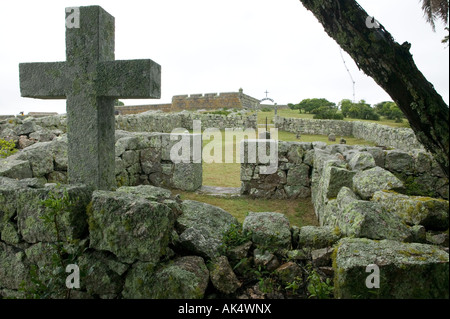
360,110
392,67
312,105
390,110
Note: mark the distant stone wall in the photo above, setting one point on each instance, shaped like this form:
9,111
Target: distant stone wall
314,127
383,135
165,123
135,109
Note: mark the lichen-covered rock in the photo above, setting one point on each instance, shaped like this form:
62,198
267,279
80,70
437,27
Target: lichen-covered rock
197,242
149,192
269,230
14,168
265,259
183,278
30,210
370,220
322,257
298,175
334,178
416,210
222,276
40,157
366,183
187,176
318,237
361,161
405,270
288,272
129,225
13,267
399,161
102,274
205,225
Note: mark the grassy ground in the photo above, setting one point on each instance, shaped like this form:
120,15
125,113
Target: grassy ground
295,113
219,149
226,174
300,212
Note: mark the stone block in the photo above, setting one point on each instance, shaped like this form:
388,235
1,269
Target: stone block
429,212
269,230
129,225
184,278
366,183
406,270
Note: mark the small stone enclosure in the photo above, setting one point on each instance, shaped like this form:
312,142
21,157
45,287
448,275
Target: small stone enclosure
140,241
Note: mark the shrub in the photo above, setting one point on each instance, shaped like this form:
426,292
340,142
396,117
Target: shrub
312,105
360,110
325,113
7,148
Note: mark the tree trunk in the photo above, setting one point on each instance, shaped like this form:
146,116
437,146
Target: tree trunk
392,67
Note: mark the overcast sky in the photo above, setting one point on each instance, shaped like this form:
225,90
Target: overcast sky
208,46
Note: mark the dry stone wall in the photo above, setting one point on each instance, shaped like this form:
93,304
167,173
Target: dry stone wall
383,135
161,122
295,177
143,242
141,159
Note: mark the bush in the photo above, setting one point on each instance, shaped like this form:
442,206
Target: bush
7,148
325,113
360,110
390,110
312,105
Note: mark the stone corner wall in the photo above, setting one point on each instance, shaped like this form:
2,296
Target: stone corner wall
382,135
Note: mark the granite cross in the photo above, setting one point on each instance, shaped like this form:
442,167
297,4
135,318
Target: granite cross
91,80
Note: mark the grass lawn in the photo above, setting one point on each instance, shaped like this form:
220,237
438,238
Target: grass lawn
218,149
221,173
300,212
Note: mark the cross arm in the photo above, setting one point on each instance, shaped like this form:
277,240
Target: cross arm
129,79
43,80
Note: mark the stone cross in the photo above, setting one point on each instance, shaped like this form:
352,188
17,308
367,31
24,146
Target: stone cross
90,80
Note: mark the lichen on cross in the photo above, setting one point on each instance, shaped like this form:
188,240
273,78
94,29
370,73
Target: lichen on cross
90,80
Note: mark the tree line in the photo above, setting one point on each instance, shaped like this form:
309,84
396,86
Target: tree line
324,109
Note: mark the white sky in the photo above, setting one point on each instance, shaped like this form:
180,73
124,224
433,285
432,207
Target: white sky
208,46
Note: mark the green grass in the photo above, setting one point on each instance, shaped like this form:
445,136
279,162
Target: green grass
228,174
300,212
295,114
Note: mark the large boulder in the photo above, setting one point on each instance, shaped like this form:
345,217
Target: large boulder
183,278
71,221
202,227
268,230
13,267
406,270
416,210
359,218
14,168
130,225
366,183
362,161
